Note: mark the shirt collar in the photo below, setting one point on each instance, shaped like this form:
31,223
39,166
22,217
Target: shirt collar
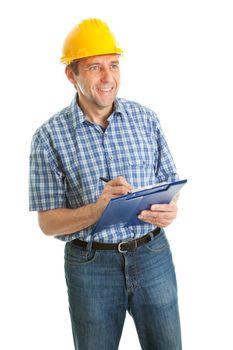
76,111
119,108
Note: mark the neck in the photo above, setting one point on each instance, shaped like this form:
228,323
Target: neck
96,114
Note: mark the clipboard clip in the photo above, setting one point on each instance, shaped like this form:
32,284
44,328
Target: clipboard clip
148,187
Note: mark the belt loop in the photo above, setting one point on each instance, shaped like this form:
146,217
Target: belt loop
89,246
151,234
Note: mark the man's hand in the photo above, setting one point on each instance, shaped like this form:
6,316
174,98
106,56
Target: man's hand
66,221
160,215
114,188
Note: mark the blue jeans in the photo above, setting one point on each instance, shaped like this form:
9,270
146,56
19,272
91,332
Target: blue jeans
102,285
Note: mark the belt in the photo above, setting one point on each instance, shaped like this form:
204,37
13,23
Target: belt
122,247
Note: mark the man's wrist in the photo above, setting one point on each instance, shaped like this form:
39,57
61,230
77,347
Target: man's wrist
94,212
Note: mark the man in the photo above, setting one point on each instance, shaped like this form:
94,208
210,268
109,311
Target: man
100,135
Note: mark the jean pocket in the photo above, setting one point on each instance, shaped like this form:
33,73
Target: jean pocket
159,243
75,255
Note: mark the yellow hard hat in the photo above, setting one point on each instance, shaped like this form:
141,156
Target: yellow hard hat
91,37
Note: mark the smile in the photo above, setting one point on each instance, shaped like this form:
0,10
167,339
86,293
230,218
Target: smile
106,90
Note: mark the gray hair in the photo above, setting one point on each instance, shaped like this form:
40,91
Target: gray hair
74,66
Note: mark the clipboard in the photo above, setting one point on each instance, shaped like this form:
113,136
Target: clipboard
124,210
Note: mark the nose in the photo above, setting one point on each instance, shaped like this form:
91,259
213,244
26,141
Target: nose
106,75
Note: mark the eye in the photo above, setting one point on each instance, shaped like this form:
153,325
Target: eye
94,68
115,66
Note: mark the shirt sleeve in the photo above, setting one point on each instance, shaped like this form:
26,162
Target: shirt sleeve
166,169
46,182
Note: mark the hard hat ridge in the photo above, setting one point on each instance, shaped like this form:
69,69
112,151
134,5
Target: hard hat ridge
91,37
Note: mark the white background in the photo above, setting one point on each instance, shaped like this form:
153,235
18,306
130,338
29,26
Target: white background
178,61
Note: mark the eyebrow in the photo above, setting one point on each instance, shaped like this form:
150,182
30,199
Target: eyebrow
96,63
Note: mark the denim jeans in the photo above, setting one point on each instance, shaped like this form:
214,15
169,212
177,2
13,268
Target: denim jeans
103,285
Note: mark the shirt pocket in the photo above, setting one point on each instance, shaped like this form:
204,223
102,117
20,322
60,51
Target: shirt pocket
140,171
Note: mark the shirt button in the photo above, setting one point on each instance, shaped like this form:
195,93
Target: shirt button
110,158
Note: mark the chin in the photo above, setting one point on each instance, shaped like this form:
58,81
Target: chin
106,104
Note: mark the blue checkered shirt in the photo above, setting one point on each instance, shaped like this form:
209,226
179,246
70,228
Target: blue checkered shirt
69,154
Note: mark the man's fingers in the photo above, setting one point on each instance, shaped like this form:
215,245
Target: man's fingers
117,190
158,215
120,181
160,222
164,207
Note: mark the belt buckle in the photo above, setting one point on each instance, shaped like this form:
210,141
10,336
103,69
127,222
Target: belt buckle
119,247
120,250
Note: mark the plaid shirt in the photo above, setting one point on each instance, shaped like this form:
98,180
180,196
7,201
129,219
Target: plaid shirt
69,154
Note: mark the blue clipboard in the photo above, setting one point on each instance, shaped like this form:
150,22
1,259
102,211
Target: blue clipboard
125,209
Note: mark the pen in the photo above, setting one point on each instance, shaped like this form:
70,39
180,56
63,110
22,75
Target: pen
104,179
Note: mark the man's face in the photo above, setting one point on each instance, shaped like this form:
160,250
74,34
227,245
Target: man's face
98,80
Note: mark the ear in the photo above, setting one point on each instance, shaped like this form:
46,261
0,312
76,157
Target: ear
70,75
